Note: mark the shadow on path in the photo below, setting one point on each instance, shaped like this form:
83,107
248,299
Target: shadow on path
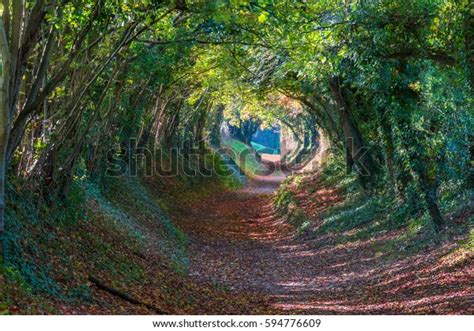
238,241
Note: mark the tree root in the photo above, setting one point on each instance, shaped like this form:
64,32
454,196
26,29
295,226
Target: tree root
125,296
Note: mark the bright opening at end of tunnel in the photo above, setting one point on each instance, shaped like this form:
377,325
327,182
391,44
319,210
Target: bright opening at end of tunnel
267,143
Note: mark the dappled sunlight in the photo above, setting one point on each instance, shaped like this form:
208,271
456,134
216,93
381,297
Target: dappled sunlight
401,306
236,156
248,246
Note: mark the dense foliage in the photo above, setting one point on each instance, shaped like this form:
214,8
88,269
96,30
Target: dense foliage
389,82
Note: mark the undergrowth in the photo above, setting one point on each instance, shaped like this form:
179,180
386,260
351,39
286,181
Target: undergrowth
361,217
101,228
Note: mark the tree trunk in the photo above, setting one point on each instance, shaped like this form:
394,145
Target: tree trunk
4,119
352,138
429,186
215,130
247,130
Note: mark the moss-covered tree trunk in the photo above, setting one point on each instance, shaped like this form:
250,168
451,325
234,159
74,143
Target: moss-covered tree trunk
355,146
4,118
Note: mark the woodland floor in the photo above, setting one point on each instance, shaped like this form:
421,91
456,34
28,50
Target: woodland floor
239,243
245,258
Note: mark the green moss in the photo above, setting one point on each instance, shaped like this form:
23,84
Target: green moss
244,156
263,149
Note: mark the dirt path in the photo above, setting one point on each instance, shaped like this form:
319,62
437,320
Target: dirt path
238,242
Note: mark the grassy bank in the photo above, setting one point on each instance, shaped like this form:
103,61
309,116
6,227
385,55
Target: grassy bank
332,205
115,230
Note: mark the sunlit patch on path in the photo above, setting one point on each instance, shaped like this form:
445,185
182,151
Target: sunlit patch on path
238,241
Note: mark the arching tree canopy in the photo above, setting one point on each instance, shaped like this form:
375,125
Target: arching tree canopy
389,82
126,126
